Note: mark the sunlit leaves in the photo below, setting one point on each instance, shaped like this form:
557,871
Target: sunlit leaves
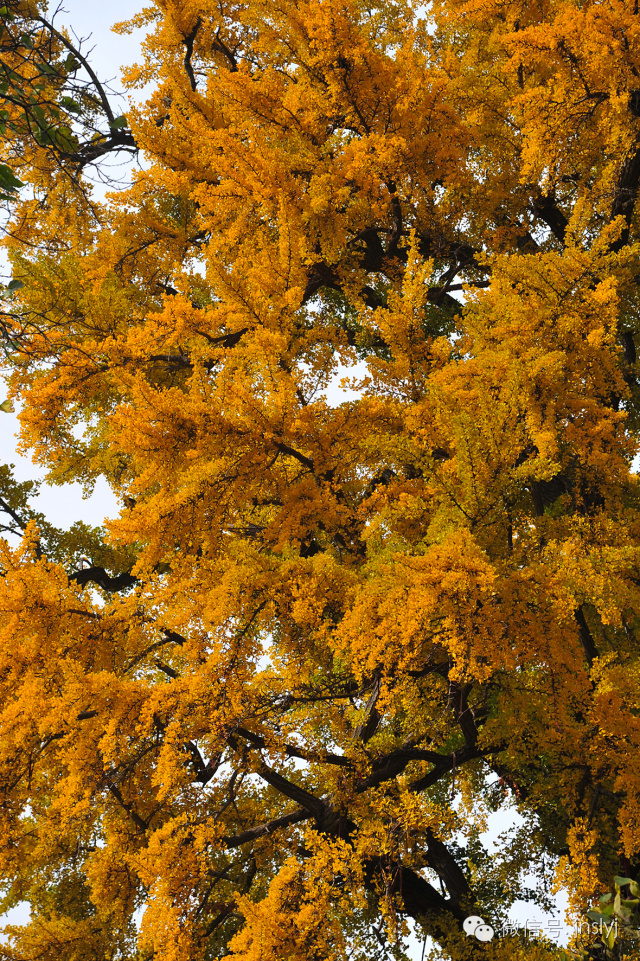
263,707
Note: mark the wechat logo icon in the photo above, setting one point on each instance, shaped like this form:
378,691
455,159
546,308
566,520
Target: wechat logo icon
475,927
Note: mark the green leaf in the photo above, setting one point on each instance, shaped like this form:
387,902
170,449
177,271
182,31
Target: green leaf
7,407
118,123
64,139
597,916
48,70
15,284
70,104
40,116
8,180
621,882
605,898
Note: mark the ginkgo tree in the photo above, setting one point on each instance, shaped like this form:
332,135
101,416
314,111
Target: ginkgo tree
268,716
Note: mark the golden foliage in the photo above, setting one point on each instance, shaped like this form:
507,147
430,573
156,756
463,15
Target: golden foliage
270,713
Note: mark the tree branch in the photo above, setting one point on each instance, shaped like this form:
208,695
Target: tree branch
301,458
98,575
625,195
291,751
137,820
588,643
315,806
104,100
544,206
9,510
188,42
260,830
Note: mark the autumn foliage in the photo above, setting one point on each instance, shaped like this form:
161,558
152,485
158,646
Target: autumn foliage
327,632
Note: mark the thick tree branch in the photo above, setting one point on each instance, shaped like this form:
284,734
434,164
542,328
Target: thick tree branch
291,452
626,192
420,898
219,44
367,728
10,511
260,830
444,763
588,643
545,207
188,42
442,861
321,276
98,575
291,751
137,820
315,806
